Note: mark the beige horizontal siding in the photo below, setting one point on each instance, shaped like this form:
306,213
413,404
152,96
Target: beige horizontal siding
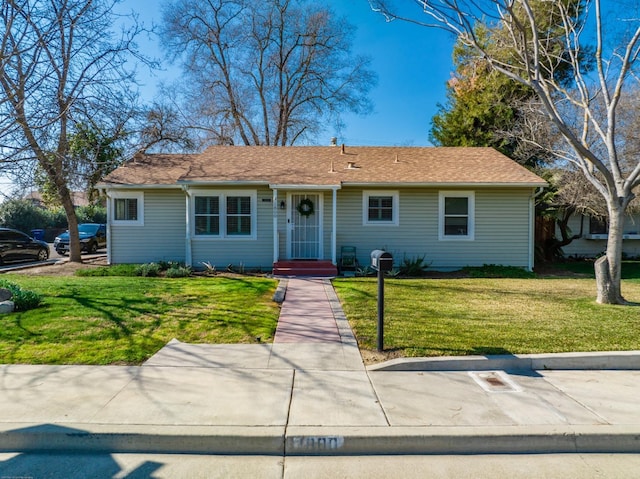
501,229
162,236
250,253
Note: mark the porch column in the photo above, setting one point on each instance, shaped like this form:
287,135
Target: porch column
334,216
188,259
276,239
109,220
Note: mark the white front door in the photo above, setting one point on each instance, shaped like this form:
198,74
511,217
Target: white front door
304,232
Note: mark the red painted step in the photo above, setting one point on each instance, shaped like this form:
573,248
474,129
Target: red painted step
304,268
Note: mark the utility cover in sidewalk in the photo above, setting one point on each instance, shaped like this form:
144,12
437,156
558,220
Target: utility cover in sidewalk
495,381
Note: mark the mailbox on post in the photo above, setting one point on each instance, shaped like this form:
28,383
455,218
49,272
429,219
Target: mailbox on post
382,262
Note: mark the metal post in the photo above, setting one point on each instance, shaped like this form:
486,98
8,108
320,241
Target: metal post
380,310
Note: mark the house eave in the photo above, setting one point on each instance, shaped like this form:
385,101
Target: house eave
302,186
443,184
122,186
298,186
196,183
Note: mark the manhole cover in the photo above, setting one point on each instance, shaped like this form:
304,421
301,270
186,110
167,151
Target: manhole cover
495,381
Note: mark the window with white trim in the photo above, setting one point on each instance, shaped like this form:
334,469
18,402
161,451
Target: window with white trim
238,215
222,214
127,208
456,215
380,208
207,215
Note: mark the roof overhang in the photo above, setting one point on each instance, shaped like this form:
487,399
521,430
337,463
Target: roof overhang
441,184
276,186
118,186
302,186
196,183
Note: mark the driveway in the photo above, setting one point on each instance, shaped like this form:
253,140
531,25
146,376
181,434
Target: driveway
53,258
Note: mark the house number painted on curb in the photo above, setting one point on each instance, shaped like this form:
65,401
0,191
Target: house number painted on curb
317,443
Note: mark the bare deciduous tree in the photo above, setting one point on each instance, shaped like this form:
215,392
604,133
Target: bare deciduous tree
265,73
586,115
61,65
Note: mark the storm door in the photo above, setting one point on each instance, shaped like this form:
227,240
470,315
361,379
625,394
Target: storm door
305,226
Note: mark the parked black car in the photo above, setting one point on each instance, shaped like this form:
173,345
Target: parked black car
17,246
93,236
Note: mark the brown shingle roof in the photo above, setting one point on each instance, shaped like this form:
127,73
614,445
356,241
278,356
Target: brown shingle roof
151,169
327,166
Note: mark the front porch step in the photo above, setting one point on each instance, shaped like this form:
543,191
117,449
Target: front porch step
304,268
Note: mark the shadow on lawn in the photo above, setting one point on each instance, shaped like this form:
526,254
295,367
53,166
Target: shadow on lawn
489,351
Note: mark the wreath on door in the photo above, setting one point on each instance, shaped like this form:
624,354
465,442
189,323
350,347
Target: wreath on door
305,207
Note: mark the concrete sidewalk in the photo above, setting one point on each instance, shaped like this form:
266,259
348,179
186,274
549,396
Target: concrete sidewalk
308,393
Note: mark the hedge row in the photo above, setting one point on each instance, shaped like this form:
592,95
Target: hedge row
24,216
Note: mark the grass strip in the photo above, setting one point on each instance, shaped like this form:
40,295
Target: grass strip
125,320
442,317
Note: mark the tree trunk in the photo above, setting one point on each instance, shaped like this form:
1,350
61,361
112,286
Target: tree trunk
72,220
608,268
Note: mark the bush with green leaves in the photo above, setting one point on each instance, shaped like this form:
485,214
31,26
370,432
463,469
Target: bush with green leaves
22,215
165,265
148,269
172,269
414,267
114,270
498,271
56,218
91,214
178,272
23,299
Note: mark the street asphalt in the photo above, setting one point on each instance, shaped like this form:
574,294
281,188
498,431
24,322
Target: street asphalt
309,398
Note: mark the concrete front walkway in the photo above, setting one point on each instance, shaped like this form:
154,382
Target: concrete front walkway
308,393
307,315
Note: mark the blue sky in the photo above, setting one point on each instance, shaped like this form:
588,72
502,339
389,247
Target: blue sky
413,64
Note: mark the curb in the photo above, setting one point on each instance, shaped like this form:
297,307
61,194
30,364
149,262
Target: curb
305,441
19,267
281,291
90,438
320,441
620,360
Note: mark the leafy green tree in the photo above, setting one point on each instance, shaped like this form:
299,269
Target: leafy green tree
22,215
92,214
92,155
484,108
543,42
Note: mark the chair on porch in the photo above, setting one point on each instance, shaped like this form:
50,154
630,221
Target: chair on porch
348,259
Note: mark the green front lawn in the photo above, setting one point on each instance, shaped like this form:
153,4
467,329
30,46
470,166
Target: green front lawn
630,269
442,317
125,320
